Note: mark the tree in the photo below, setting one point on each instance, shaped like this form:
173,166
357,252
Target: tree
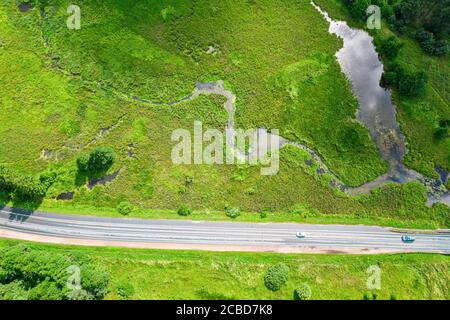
390,47
276,276
303,292
101,159
412,84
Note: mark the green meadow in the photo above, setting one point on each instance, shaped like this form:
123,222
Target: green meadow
65,92
157,274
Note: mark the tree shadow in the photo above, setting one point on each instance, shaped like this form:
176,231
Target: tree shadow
22,209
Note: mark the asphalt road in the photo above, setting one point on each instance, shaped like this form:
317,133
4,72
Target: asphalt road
221,236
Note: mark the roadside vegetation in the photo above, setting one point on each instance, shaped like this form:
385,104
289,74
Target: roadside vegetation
67,94
157,274
30,274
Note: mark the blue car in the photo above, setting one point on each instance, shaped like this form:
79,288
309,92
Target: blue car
408,239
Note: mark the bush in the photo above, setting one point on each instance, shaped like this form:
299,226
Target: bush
303,292
125,290
441,133
412,84
444,123
233,213
276,276
184,211
124,208
430,45
390,47
407,83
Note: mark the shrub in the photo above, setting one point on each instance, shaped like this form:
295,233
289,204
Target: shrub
393,297
430,45
407,83
441,133
390,47
184,211
444,123
276,276
125,289
233,212
412,84
124,208
303,292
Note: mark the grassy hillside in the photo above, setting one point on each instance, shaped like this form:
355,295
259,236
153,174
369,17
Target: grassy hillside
64,92
157,274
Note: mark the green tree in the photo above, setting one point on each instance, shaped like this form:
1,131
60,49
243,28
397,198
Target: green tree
303,292
276,276
390,47
101,159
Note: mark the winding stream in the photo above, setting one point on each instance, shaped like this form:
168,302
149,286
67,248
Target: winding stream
360,63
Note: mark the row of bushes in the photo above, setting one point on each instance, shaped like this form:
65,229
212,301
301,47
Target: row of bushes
31,274
407,83
430,45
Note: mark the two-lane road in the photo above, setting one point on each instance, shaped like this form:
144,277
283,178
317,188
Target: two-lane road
217,236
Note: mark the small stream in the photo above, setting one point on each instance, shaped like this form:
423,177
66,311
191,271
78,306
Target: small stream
360,63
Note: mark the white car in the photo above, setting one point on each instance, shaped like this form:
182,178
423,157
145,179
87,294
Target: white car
301,235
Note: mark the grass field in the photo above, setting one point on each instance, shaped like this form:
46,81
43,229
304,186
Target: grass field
205,275
60,101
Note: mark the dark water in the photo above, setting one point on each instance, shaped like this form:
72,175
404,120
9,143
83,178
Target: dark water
360,63
24,7
104,180
362,66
